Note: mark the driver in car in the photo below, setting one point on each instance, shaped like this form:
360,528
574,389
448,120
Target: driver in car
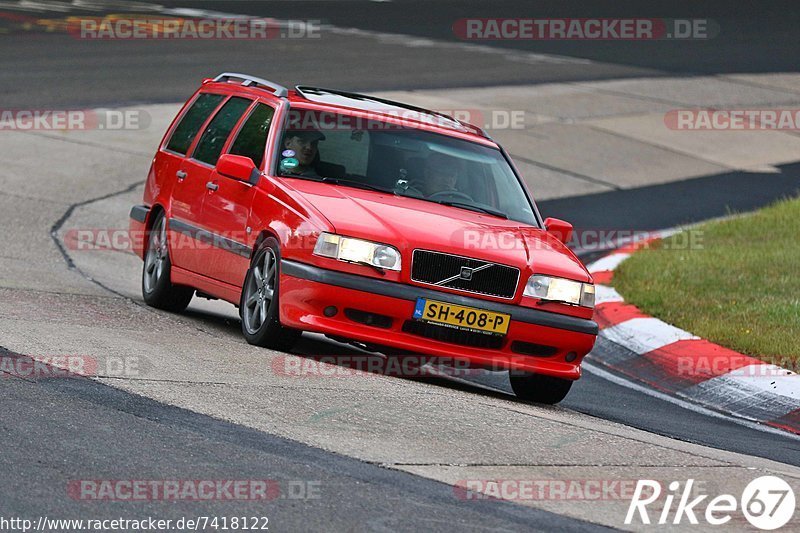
441,174
304,144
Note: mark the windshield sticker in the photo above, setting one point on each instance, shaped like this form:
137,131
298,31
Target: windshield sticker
289,163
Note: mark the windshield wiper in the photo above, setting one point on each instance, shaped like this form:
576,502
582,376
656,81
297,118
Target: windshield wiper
356,184
340,181
472,207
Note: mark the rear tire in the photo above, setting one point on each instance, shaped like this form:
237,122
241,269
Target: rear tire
538,388
259,307
157,288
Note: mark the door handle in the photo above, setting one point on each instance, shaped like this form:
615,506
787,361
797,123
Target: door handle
181,175
211,186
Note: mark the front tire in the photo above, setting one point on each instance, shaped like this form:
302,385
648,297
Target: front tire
258,307
538,388
157,288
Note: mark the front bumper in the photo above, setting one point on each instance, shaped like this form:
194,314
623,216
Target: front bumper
307,290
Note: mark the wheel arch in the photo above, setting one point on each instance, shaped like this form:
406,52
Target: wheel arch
263,235
152,215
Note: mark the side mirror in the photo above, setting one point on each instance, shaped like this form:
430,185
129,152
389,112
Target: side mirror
238,167
560,229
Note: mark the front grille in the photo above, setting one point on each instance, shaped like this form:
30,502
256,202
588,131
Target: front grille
488,278
452,335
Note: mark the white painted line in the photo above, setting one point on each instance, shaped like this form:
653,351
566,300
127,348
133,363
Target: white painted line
204,13
609,262
642,335
664,233
605,294
32,5
599,372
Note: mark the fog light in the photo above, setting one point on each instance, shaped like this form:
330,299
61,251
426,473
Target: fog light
330,311
570,357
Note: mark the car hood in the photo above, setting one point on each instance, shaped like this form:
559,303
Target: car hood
410,223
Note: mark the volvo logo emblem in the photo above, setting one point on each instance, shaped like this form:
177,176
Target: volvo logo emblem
465,274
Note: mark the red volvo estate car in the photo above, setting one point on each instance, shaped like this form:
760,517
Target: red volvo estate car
365,219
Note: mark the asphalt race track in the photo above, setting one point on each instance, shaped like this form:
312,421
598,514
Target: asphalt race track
349,440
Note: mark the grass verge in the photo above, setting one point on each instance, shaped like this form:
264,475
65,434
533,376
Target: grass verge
734,282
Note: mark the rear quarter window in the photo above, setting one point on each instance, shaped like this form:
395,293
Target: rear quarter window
191,122
213,139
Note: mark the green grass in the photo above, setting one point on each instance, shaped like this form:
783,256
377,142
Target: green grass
738,286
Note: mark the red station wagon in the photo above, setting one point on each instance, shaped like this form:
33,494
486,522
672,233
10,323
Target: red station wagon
364,219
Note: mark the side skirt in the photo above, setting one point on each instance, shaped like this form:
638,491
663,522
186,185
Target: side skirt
223,291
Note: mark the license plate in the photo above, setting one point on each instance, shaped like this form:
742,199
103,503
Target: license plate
460,317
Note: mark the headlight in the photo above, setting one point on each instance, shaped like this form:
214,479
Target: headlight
357,251
560,289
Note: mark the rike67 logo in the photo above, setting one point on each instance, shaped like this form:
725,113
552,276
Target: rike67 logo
767,502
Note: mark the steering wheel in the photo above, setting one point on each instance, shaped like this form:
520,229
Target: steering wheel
413,192
455,195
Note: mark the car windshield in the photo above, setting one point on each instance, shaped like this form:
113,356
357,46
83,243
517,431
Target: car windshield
357,152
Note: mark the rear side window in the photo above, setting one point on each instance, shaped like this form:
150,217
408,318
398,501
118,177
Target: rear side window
210,146
190,124
252,138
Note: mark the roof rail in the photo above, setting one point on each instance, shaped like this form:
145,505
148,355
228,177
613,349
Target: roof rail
300,88
278,90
